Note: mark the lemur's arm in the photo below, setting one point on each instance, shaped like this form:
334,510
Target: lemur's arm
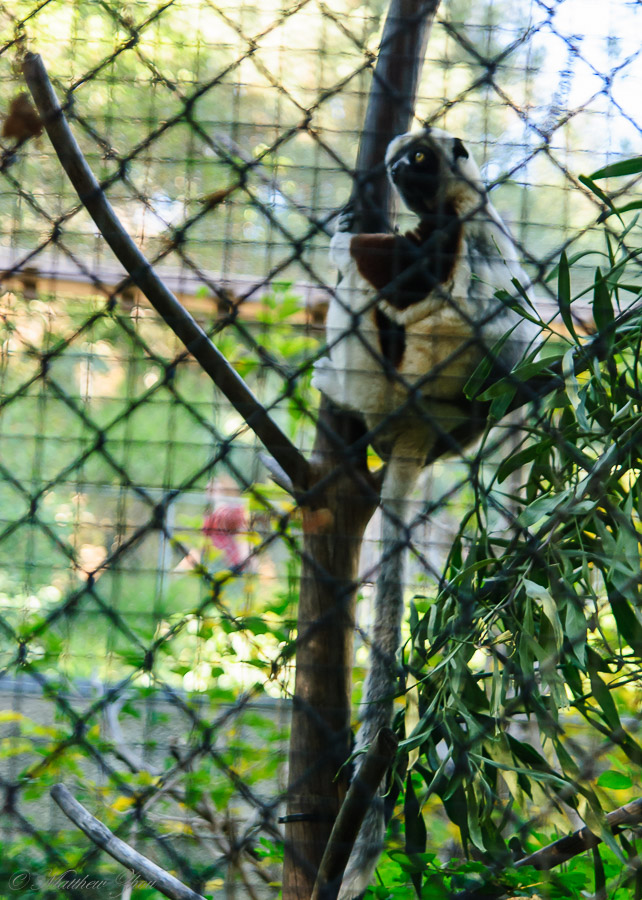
402,269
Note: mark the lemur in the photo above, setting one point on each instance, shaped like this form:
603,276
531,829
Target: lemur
412,317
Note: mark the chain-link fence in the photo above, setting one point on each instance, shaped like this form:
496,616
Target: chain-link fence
151,554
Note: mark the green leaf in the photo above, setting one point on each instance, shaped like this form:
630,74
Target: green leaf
615,781
521,458
572,260
454,800
435,888
408,863
544,505
499,406
626,620
601,693
529,370
567,762
573,388
602,306
564,294
544,600
599,885
576,630
473,819
618,210
528,754
501,388
254,624
588,182
483,370
616,170
549,778
415,829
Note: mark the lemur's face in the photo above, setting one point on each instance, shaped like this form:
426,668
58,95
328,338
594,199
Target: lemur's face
430,168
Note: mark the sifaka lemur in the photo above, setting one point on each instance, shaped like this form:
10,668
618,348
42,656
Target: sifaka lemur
413,316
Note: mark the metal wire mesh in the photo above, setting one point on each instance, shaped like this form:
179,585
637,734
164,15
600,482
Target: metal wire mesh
149,568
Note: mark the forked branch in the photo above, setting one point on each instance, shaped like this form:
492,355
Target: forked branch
361,793
320,731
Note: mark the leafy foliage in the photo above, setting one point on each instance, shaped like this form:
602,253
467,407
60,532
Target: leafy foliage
527,660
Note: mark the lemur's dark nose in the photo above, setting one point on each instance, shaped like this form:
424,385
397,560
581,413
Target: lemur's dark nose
395,170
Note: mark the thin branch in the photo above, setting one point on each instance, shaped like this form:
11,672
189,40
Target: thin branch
140,271
358,800
562,850
135,862
278,475
567,847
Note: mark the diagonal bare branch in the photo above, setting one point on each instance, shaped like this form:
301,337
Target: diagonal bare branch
361,793
562,850
162,299
100,835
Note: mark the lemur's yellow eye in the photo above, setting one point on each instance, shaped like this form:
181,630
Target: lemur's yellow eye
419,156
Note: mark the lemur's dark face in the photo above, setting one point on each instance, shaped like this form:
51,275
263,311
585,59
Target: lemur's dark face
422,167
415,170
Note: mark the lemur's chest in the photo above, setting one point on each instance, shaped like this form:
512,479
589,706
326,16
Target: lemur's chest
437,352
416,290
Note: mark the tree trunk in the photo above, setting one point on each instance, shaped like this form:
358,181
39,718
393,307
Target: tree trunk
320,731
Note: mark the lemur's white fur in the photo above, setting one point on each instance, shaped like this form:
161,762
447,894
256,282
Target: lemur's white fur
443,336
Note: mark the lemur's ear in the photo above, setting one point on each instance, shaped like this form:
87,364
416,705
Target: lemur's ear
459,149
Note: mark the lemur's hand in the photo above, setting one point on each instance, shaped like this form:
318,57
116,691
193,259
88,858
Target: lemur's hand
345,219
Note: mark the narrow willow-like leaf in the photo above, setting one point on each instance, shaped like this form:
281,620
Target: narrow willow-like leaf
483,370
564,294
553,274
415,828
602,307
625,617
521,458
615,170
542,596
473,817
602,695
499,406
618,210
590,184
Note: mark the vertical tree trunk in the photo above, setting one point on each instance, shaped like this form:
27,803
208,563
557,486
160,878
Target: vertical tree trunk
320,731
